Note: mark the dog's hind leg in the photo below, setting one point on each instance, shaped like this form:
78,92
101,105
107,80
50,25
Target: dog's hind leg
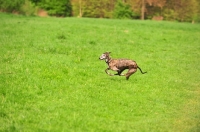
119,72
130,72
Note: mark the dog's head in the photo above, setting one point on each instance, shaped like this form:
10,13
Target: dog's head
104,56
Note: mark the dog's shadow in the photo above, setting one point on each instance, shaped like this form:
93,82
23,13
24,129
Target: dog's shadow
118,79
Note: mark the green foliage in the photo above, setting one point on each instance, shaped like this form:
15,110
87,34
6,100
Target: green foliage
98,8
11,5
197,17
181,10
57,7
122,11
52,80
188,11
169,14
77,8
28,8
36,1
172,10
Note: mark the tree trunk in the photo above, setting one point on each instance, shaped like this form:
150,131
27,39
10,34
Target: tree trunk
80,8
143,9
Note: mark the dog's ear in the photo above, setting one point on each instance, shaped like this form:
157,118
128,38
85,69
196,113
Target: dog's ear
107,52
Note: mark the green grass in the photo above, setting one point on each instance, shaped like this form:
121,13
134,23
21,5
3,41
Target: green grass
52,80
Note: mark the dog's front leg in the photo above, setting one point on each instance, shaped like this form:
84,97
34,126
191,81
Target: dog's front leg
107,72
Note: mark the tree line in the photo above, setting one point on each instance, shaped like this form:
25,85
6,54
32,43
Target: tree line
171,10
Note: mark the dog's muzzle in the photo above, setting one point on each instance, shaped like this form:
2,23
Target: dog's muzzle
100,58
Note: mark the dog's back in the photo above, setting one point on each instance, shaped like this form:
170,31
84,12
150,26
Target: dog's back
123,63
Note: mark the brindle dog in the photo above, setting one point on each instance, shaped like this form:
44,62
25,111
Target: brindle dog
120,65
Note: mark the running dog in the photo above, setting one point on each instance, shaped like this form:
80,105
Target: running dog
120,65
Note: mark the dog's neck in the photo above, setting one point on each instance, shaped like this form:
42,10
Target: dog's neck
107,60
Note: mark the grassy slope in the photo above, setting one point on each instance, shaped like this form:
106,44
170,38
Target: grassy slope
51,78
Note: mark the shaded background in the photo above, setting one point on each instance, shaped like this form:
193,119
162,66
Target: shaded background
170,10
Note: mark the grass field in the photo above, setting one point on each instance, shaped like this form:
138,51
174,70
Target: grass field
52,80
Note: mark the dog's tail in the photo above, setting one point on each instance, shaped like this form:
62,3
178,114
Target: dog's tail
141,70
